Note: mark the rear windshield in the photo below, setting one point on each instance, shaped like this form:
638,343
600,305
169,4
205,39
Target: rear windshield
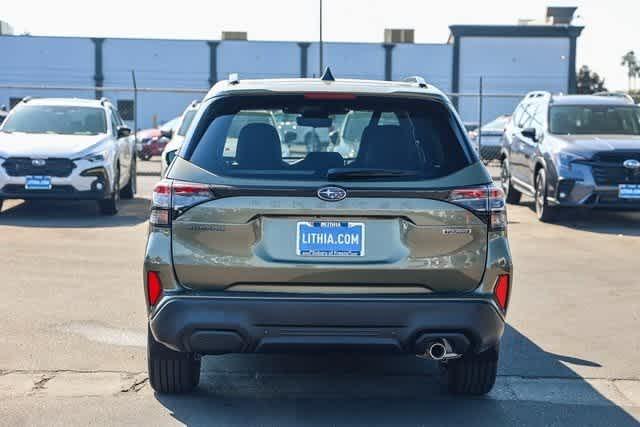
594,119
293,137
56,119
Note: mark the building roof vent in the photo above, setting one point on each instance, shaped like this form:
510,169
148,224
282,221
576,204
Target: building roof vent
560,15
234,35
399,35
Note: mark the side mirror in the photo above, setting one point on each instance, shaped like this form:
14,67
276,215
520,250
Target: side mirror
290,137
167,133
123,131
334,136
531,133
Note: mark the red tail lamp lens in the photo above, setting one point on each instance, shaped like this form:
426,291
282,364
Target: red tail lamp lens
154,287
501,291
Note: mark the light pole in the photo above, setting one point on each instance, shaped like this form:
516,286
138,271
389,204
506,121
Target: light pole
321,43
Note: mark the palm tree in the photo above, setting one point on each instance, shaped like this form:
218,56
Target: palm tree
630,61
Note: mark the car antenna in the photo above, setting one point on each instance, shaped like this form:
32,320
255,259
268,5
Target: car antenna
327,76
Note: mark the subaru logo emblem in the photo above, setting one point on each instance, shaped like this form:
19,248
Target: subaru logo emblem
332,194
631,164
38,162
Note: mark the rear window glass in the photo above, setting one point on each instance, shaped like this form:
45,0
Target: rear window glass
364,138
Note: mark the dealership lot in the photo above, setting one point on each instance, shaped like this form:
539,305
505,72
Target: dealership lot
74,334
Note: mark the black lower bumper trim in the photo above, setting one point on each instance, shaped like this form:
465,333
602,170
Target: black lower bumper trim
217,325
57,192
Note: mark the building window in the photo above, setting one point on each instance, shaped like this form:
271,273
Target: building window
125,108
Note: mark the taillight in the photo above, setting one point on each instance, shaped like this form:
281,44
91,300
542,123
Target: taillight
170,198
486,200
154,287
501,291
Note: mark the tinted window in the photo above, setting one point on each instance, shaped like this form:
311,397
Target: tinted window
57,119
593,119
415,139
186,122
517,115
524,120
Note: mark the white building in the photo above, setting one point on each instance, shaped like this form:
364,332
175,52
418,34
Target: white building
510,59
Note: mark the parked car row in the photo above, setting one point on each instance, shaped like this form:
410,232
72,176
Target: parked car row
296,215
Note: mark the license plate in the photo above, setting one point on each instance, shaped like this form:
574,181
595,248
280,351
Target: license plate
38,183
330,239
629,191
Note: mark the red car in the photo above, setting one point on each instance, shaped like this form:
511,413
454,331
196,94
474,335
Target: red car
151,142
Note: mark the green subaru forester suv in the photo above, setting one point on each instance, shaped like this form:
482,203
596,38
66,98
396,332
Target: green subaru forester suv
401,248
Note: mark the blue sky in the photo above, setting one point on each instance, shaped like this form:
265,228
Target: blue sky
611,26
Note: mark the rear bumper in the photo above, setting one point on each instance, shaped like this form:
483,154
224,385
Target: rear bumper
243,324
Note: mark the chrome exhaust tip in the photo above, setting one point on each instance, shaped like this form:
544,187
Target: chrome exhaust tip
437,351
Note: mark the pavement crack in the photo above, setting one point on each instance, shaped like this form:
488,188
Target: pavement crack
138,384
41,383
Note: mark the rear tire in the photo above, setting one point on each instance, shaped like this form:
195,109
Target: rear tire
473,374
171,371
544,212
512,195
129,190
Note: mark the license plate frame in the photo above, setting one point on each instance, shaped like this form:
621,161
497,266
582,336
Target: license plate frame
629,191
37,182
321,245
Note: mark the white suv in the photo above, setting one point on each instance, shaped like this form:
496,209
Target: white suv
75,149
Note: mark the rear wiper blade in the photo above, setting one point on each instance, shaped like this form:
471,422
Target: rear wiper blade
354,173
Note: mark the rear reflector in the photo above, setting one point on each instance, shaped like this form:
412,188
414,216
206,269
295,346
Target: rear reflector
154,287
328,95
501,291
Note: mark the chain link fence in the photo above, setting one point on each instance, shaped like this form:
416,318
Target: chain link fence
149,107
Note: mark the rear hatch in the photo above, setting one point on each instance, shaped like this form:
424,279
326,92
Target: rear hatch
407,215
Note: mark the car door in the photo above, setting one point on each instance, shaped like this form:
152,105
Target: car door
515,144
528,146
524,145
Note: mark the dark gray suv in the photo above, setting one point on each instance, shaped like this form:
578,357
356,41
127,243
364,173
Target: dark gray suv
400,248
573,151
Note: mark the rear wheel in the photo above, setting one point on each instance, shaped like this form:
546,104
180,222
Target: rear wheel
171,371
110,206
473,373
511,194
129,190
544,212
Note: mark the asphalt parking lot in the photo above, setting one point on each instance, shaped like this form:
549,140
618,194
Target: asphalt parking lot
73,335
